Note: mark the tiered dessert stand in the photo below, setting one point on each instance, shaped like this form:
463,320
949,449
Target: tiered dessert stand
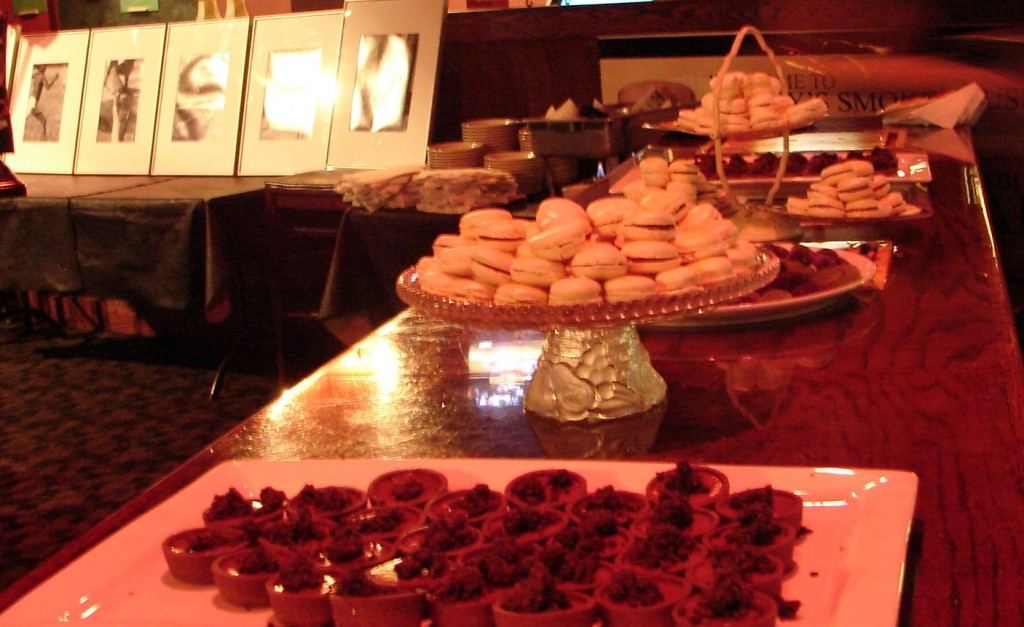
592,368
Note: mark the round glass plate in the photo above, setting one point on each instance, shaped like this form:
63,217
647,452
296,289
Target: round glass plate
487,314
917,212
673,126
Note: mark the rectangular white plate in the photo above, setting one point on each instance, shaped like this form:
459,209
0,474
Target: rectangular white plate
850,568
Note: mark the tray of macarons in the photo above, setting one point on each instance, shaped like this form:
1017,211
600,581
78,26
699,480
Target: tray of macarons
611,263
749,105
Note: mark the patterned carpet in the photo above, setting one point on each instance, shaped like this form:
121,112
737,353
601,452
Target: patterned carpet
87,424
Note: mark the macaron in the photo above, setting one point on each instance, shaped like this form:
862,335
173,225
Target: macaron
456,261
694,244
428,265
536,271
650,257
859,167
607,213
648,225
560,242
575,290
501,234
797,206
450,240
726,229
731,85
491,266
629,287
673,202
557,210
686,189
713,269
822,205
743,255
519,294
637,190
699,214
599,261
681,280
654,171
880,185
468,289
438,283
864,206
897,202
806,112
683,170
470,220
855,188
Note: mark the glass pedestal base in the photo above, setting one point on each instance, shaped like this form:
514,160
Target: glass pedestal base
593,374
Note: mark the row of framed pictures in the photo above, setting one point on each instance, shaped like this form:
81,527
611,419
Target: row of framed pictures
269,95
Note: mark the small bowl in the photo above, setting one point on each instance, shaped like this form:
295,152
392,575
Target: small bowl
247,590
622,614
715,481
410,486
190,553
763,613
301,608
582,612
401,609
550,487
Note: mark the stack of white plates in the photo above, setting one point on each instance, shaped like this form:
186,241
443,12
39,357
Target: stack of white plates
525,167
497,134
453,155
525,142
564,170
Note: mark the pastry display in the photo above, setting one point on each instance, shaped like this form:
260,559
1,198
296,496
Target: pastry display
614,250
749,102
546,550
851,189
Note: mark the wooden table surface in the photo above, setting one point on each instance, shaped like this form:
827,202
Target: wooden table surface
923,375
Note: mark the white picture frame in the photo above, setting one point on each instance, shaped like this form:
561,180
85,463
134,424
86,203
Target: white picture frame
201,98
290,91
122,87
393,133
47,100
11,53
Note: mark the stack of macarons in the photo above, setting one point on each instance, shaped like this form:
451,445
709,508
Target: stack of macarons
677,181
750,102
851,189
613,250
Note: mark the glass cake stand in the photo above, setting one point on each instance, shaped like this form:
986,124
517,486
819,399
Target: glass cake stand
592,367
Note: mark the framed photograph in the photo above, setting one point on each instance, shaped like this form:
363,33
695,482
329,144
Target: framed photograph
47,101
201,98
289,95
386,80
122,85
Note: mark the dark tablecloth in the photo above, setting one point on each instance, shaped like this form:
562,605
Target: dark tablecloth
372,249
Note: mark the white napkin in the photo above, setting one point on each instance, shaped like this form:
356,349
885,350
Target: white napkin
566,111
954,108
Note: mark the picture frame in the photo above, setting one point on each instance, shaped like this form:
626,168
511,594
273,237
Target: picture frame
11,53
379,124
122,87
289,94
46,103
201,98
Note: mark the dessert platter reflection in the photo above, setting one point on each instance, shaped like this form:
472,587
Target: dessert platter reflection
599,531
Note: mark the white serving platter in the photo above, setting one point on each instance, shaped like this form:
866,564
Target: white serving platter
849,568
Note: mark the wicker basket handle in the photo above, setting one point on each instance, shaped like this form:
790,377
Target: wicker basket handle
716,122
